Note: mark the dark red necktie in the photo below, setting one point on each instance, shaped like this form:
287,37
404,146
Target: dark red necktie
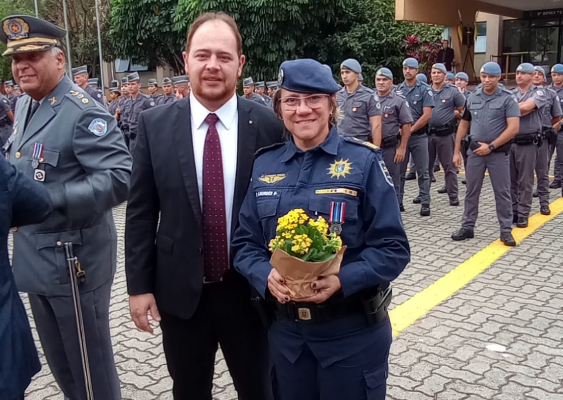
216,257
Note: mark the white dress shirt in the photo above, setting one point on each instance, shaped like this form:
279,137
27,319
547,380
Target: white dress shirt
227,127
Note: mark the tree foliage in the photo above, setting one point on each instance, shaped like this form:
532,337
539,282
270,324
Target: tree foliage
144,31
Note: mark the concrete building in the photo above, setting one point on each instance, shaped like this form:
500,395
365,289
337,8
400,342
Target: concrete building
507,31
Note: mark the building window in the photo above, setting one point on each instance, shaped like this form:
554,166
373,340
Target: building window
481,37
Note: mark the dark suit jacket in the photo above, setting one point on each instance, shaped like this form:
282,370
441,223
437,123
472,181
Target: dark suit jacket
166,257
22,202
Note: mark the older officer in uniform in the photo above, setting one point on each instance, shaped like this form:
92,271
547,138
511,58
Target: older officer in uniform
524,152
421,102
80,75
360,107
73,147
182,86
168,89
153,91
397,120
492,117
139,102
441,141
325,347
557,85
550,117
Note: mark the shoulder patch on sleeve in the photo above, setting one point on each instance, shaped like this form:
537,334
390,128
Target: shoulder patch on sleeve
361,143
385,172
263,150
430,93
98,127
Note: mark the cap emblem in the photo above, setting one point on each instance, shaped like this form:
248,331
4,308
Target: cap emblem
280,77
15,28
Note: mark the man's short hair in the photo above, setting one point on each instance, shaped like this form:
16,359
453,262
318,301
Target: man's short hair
214,16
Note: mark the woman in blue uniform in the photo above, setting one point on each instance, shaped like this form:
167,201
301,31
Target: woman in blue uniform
335,344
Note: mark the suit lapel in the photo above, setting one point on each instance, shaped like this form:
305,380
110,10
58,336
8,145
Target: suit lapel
19,125
247,131
45,112
182,131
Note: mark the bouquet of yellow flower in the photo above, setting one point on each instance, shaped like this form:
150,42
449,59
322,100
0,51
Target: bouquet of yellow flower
303,250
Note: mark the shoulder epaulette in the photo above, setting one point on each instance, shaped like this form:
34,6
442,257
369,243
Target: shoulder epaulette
263,150
79,98
361,142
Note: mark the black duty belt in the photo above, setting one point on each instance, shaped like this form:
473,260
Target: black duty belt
527,139
421,131
390,141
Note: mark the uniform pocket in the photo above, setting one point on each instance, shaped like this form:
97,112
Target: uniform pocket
267,206
50,247
376,382
320,205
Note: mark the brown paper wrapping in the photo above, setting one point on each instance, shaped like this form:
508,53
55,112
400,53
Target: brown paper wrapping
299,274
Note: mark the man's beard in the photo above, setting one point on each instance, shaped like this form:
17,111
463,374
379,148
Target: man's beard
217,93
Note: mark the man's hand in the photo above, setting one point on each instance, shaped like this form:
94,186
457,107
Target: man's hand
277,287
483,150
324,287
457,159
400,154
139,306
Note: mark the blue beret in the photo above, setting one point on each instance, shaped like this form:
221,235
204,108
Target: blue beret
421,78
491,68
80,70
39,35
525,68
450,76
248,82
411,63
463,76
385,72
134,77
306,76
440,67
352,65
557,68
540,69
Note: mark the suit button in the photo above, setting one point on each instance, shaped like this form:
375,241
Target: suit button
200,250
15,229
18,154
59,243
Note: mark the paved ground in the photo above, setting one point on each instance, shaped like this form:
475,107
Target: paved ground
452,353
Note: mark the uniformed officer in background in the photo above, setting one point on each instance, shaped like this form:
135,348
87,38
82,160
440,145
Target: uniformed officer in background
422,78
122,107
524,151
360,108
73,147
139,102
272,87
182,86
12,97
397,121
114,94
442,126
557,85
461,81
6,120
18,91
260,89
421,102
80,75
335,344
248,87
491,117
168,89
450,78
153,91
550,117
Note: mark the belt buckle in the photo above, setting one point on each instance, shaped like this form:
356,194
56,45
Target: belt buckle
304,314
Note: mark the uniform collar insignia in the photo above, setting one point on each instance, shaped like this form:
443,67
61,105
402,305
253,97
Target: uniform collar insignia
271,179
340,168
53,100
15,28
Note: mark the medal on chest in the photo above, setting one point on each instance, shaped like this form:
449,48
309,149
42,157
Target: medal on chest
337,216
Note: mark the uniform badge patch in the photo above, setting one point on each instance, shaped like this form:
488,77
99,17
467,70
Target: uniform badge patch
15,28
39,175
98,127
541,93
152,103
271,179
340,168
386,173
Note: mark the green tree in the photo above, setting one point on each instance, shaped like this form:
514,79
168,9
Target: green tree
144,32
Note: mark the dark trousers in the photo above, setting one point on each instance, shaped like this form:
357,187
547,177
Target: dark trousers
223,317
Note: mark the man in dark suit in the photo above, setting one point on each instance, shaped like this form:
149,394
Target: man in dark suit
22,202
192,167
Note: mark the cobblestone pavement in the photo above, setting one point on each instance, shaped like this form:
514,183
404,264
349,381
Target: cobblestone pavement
500,337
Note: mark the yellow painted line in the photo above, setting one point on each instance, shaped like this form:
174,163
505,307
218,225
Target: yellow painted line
406,314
